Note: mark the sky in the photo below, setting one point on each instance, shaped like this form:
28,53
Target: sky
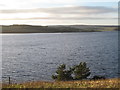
59,12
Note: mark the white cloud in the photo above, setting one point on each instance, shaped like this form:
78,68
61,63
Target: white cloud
24,11
61,13
20,4
66,10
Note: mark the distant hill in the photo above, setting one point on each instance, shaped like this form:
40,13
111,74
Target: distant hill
55,29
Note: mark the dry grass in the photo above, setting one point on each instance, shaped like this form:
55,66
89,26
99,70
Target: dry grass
108,83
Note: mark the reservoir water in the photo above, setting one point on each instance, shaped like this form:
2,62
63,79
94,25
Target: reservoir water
35,56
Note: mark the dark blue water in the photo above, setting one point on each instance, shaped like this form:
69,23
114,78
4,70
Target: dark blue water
28,57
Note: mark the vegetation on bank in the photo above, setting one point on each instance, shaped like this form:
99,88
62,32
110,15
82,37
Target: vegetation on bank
77,72
74,77
56,29
102,83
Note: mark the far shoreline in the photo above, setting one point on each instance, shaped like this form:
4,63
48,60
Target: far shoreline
51,33
20,29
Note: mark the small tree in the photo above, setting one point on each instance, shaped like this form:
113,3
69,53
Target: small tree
77,72
96,77
68,74
81,71
62,74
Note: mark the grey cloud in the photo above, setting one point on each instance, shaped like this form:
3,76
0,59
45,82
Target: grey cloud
61,18
66,13
66,10
2,5
81,10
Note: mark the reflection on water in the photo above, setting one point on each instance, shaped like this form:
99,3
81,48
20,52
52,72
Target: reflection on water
29,57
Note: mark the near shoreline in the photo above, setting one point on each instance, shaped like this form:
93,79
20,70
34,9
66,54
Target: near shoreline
107,83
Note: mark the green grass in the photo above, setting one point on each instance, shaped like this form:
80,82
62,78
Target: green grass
107,83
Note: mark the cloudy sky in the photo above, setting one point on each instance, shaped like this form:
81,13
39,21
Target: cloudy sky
59,12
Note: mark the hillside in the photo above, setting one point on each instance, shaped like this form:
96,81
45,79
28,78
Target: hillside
55,29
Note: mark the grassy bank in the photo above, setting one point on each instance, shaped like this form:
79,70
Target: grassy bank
107,83
55,29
